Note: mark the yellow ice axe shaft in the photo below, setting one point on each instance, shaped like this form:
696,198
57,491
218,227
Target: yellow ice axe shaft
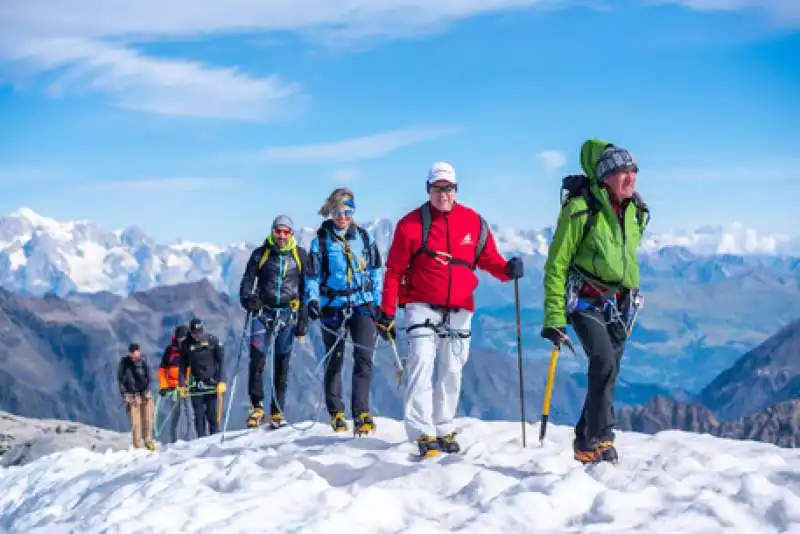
548,391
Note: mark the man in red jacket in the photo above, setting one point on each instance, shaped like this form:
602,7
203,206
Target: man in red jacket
433,279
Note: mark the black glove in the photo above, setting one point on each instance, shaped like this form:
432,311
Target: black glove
385,325
252,303
555,335
515,268
313,310
301,328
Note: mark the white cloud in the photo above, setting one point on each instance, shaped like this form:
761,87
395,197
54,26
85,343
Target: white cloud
784,12
551,160
136,81
355,149
345,175
169,186
154,19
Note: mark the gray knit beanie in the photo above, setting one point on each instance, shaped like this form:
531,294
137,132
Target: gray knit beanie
614,159
282,220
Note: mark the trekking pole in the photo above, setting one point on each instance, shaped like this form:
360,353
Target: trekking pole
398,364
519,362
548,390
235,376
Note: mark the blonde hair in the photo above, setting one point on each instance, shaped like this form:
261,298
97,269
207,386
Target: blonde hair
339,195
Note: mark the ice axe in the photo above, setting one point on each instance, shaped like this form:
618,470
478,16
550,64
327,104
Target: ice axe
548,390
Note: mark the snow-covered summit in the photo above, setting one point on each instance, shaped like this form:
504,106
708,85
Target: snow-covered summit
319,482
39,254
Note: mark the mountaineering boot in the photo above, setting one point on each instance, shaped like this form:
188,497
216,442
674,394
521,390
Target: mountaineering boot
608,453
149,445
363,424
256,417
428,446
338,423
448,443
276,421
586,453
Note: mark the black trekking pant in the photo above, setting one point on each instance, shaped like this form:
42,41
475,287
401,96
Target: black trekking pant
283,342
205,411
604,345
362,332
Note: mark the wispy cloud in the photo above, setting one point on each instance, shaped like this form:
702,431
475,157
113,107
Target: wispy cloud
137,81
355,149
778,171
345,175
158,186
551,160
783,12
100,19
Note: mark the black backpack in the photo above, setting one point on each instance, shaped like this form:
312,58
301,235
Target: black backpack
576,185
425,212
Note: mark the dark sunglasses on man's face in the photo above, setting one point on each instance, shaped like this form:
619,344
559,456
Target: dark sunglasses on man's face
442,188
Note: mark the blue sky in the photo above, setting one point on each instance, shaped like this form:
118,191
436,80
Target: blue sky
203,121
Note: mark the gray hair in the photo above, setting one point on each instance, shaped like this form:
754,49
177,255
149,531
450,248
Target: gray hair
338,196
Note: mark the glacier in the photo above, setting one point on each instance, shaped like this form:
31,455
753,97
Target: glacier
319,482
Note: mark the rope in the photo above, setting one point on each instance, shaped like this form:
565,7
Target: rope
271,351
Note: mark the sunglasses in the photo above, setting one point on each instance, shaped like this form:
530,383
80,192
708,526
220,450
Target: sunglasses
443,188
346,213
282,232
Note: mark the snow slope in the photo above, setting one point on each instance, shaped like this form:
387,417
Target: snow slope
321,483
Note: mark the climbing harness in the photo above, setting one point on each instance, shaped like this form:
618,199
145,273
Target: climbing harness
610,307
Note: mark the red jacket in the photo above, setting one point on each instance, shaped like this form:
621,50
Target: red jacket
430,280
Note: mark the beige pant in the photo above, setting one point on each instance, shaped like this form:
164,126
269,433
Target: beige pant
140,410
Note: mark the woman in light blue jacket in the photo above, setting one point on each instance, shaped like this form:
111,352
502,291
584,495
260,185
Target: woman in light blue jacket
343,287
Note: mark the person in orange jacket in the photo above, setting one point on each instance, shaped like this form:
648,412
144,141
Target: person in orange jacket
168,378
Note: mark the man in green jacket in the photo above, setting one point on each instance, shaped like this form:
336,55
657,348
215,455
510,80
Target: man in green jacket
591,280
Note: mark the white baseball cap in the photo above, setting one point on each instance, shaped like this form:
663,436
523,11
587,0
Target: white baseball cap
441,170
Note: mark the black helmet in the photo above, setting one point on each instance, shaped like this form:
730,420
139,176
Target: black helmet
181,331
196,325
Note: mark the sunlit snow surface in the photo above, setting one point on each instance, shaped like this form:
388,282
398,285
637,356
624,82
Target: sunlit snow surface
320,482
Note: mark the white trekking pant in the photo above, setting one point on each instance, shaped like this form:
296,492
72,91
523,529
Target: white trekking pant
430,407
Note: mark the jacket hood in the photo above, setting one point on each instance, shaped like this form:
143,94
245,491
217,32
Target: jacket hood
590,155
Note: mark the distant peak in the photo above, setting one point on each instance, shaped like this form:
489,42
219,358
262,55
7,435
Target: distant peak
32,216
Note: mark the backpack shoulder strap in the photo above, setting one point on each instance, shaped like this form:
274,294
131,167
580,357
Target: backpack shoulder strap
297,260
642,211
264,256
425,215
482,237
322,235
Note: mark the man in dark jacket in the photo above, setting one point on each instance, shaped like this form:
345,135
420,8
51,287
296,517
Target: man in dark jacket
133,379
201,374
271,291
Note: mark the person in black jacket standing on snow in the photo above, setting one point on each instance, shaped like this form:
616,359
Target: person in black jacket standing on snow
201,374
133,379
272,291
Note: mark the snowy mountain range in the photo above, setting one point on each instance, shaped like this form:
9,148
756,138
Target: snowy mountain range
40,255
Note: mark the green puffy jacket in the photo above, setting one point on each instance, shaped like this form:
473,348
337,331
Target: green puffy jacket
609,251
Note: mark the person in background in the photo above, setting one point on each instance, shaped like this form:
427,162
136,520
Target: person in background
168,374
201,374
133,379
